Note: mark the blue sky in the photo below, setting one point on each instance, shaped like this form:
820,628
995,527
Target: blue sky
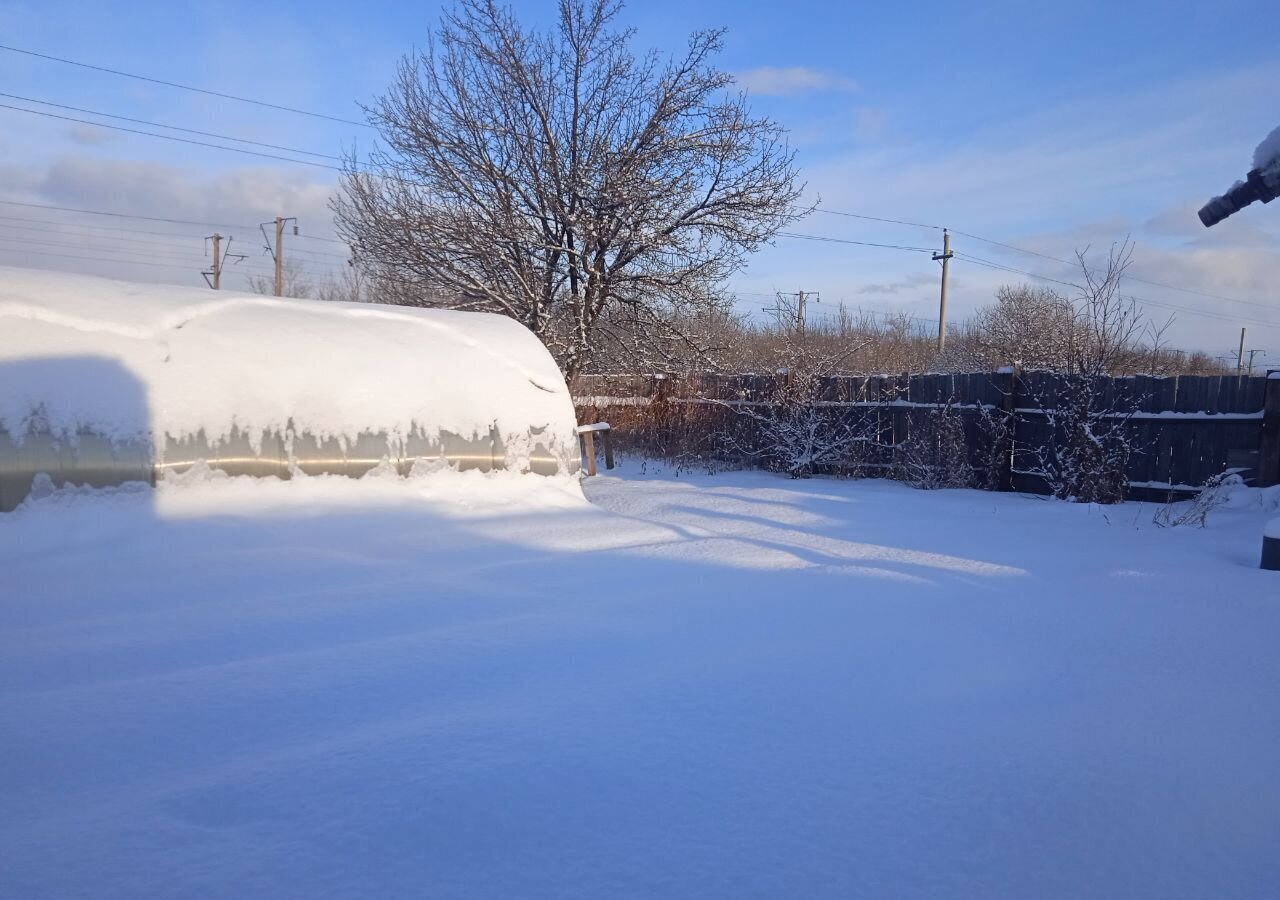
1047,126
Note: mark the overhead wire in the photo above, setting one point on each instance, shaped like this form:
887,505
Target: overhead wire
834,240
853,215
191,222
212,134
1160,304
120,215
184,87
170,137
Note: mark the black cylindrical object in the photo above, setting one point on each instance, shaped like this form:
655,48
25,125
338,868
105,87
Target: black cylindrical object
1271,546
1256,186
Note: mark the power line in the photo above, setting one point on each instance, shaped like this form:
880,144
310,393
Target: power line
118,215
170,137
60,227
225,137
994,265
1046,256
312,237
1160,304
832,240
1012,247
118,261
186,87
125,242
853,215
1134,278
128,249
102,233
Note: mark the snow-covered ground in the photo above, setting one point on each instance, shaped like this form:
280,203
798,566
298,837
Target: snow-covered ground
712,686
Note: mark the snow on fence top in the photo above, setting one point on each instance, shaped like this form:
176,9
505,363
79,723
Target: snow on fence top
156,362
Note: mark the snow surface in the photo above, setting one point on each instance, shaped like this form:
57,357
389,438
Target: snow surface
1273,529
132,360
1268,152
467,686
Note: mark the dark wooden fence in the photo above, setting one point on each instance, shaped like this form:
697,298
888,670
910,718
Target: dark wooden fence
1182,430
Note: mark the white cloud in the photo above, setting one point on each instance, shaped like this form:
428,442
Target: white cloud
786,81
89,135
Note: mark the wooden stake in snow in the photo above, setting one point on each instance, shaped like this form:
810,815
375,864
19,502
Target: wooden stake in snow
588,433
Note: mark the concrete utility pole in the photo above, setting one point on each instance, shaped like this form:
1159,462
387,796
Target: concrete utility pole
798,312
1252,353
279,256
1240,355
217,261
221,254
945,256
277,249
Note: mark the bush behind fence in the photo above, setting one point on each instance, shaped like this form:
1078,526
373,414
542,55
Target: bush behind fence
1178,431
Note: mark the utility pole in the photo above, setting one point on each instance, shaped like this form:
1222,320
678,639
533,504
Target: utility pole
1252,353
279,256
220,257
798,311
277,249
217,261
1240,355
945,256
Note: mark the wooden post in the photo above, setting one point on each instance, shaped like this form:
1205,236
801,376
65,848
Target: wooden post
1009,407
608,449
589,443
1269,449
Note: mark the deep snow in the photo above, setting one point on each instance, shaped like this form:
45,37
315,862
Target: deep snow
725,686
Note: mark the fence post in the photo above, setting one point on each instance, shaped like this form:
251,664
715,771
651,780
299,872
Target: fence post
1008,382
1269,450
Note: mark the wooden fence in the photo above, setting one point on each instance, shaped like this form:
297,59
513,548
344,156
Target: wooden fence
1182,430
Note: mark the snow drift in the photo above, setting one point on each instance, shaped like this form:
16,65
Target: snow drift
103,382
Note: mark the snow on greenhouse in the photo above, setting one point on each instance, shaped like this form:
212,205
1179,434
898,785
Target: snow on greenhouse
105,382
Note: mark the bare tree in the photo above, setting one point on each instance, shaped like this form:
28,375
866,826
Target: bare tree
293,282
1087,454
559,179
1036,327
796,431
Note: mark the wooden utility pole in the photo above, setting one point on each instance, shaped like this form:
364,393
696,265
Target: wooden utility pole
1240,355
800,310
279,254
945,256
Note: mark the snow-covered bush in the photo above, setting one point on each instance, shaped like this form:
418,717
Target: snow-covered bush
935,453
1085,457
1196,511
796,430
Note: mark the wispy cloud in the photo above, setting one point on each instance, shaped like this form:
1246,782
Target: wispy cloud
786,81
89,135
